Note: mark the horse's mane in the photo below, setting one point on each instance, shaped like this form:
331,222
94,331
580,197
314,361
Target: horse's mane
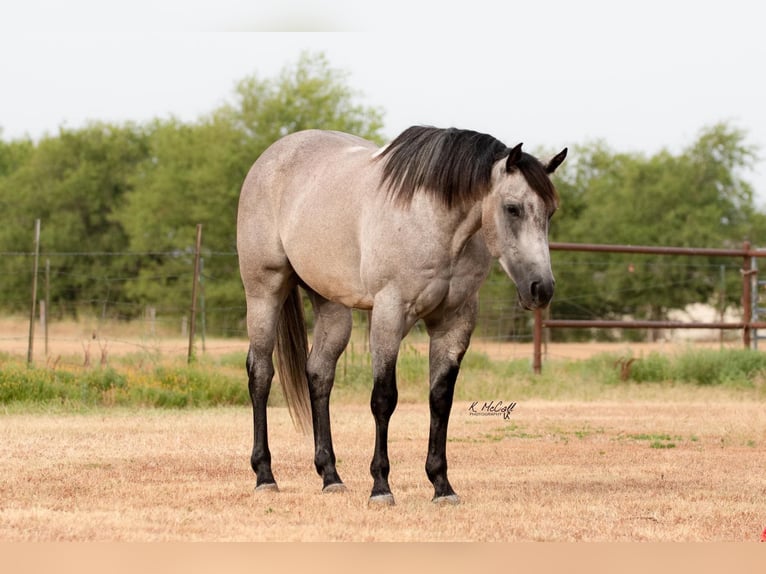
452,165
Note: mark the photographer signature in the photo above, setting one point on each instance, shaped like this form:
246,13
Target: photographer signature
491,408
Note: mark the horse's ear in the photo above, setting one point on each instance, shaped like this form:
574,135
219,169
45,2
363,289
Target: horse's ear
556,161
513,158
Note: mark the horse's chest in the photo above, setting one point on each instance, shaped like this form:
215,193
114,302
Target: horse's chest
449,289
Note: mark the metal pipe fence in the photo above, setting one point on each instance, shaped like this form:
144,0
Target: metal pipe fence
749,278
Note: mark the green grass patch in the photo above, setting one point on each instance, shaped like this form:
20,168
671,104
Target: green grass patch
145,380
661,444
658,440
148,386
739,368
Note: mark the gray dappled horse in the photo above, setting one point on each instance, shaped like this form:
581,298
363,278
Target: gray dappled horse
407,231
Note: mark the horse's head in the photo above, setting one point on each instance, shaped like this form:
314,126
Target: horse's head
515,218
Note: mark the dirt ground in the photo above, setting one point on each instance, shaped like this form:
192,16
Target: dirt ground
551,471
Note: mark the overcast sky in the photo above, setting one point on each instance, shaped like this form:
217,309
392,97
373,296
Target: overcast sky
641,75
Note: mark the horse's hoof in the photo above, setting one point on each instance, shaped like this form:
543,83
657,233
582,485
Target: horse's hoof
382,500
449,500
333,488
267,487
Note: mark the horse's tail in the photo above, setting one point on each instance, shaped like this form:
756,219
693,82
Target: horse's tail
292,355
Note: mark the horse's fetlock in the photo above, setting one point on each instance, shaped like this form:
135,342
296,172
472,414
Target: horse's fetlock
322,459
436,467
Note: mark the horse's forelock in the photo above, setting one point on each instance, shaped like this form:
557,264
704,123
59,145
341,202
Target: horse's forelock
538,179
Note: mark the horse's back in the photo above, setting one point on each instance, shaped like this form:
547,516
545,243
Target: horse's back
285,161
301,205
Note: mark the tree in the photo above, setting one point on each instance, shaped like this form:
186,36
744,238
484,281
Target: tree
698,198
193,174
134,194
73,183
13,155
310,94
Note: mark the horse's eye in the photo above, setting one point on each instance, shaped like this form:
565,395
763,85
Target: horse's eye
513,210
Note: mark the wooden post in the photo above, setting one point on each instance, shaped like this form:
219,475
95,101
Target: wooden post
195,282
151,314
747,303
30,348
202,301
47,301
537,339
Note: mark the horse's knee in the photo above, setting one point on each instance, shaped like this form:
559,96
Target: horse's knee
260,373
443,387
383,401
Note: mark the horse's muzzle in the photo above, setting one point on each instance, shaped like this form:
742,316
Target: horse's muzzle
539,294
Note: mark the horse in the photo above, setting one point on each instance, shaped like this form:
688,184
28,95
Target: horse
408,232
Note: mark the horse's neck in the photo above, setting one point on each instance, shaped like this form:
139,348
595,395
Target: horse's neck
465,228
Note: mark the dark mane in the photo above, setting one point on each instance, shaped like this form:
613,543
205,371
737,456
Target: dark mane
452,165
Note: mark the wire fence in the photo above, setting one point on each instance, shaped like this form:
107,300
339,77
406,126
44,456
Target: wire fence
99,309
142,301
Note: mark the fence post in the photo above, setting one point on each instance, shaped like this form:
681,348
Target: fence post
47,301
202,300
537,339
747,304
195,281
30,348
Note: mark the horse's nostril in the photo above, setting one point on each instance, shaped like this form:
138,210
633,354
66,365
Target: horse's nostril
541,292
534,289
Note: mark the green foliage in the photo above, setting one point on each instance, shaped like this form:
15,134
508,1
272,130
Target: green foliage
697,198
74,183
137,193
219,382
191,387
159,386
733,367
310,95
657,440
120,204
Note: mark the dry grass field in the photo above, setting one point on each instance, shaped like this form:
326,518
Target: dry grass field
635,463
554,471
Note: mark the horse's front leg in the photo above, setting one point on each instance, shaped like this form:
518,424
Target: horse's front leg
449,341
386,331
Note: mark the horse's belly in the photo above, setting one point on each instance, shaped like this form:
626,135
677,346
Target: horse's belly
333,279
322,247
340,292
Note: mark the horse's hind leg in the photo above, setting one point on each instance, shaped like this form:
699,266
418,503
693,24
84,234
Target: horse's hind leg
262,316
332,331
